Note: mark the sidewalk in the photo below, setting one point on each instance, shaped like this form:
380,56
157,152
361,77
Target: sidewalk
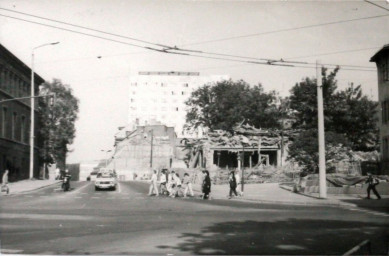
274,193
28,185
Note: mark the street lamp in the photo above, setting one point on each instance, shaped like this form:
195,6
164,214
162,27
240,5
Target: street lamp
33,109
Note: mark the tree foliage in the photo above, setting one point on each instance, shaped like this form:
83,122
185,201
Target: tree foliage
224,104
346,112
304,150
58,121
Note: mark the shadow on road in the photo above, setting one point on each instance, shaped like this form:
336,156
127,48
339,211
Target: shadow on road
370,204
292,237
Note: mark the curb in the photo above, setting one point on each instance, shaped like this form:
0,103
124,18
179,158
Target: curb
33,189
322,203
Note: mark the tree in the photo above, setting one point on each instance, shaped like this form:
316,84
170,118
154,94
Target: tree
346,112
58,122
304,150
224,104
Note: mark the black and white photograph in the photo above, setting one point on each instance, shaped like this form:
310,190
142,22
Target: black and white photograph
194,127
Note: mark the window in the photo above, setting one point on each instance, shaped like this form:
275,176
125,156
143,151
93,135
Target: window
13,129
385,111
183,93
186,85
132,100
3,122
385,148
385,70
172,92
23,129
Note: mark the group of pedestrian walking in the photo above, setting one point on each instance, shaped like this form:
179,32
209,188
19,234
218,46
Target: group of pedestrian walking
170,183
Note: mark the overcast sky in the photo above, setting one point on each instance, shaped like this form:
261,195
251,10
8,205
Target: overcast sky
225,27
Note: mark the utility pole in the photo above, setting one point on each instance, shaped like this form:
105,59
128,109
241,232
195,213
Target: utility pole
242,168
320,112
151,149
32,124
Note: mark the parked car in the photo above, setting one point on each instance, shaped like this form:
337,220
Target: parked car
105,180
92,176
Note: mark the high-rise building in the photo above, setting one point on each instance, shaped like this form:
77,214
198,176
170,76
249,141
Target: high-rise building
381,58
161,96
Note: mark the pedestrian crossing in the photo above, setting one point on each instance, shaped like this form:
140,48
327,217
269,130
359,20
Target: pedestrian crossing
368,211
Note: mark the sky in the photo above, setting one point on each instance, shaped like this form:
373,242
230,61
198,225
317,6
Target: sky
98,70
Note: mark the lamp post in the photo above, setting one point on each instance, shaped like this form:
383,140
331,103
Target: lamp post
33,109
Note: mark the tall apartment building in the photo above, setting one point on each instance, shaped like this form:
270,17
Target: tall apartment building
161,96
381,58
15,82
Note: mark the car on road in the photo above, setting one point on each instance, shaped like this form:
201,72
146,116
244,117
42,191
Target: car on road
92,176
105,180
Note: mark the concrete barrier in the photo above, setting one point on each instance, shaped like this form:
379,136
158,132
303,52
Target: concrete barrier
382,188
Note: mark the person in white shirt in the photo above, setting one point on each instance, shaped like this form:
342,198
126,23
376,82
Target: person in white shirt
153,184
187,181
177,185
170,183
238,183
162,181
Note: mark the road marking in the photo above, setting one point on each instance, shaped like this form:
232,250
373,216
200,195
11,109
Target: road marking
119,188
11,251
28,196
95,197
369,212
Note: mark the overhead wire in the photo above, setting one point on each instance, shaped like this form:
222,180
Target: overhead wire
379,6
285,30
78,26
169,49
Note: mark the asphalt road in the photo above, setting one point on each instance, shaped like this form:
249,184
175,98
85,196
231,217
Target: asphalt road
127,221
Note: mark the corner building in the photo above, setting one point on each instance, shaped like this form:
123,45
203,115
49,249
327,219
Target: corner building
161,96
381,58
15,82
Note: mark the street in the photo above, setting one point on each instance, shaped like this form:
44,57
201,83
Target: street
127,221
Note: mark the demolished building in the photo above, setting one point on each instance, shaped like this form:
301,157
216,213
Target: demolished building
246,147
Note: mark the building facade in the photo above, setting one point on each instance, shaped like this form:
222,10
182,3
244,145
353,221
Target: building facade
381,58
15,82
161,96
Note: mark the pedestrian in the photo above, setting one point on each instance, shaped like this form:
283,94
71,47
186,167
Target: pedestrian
57,173
162,182
177,185
187,181
373,182
238,183
170,183
232,181
206,186
4,182
153,184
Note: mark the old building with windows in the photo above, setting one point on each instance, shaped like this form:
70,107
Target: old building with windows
381,58
15,82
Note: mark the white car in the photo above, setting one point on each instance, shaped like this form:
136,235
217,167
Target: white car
105,180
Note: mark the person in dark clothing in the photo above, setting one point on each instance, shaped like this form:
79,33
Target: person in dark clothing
232,181
206,187
373,182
